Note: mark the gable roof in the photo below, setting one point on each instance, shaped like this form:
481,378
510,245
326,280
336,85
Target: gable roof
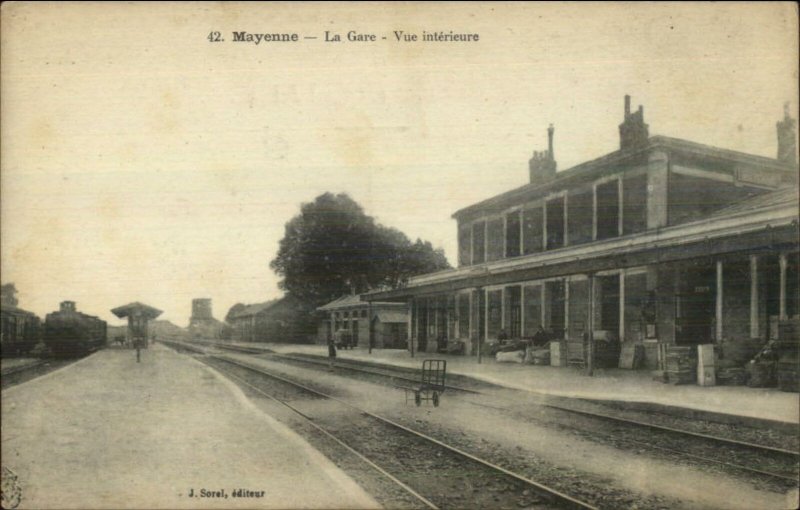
343,302
351,301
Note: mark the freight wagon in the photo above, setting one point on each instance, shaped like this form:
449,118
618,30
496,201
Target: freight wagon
69,333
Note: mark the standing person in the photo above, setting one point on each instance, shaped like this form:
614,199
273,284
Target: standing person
137,343
331,353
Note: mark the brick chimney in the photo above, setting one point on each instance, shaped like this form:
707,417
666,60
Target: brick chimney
543,164
787,138
67,306
633,132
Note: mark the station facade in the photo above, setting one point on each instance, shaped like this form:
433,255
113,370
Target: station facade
664,241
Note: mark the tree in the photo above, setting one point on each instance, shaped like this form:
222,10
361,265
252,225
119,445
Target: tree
421,258
238,307
332,248
8,291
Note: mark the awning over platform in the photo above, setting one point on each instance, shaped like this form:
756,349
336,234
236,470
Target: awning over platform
136,309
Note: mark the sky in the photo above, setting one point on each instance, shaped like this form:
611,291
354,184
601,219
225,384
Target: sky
141,162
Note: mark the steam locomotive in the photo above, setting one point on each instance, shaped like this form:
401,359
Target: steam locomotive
69,333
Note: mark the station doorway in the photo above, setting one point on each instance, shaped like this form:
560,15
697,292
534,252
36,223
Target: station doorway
609,303
695,306
556,308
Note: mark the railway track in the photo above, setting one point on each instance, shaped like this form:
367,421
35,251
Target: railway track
760,455
18,375
447,474
237,348
388,373
21,368
450,469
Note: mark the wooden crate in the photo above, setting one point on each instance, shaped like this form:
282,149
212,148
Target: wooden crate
681,377
576,353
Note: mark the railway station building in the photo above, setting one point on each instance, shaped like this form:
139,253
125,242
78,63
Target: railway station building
662,242
270,321
385,323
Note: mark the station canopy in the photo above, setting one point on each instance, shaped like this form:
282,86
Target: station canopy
136,309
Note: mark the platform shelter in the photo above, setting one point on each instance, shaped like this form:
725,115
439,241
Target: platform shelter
138,315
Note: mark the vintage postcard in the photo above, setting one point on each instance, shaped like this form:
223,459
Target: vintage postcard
399,255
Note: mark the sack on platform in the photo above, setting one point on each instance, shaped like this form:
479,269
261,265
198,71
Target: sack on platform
510,357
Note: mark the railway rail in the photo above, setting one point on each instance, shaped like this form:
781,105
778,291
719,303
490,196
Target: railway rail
339,363
21,368
729,447
445,481
724,442
24,373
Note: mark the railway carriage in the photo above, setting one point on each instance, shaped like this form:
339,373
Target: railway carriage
69,333
20,331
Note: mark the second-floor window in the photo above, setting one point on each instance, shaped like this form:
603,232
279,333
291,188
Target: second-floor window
478,242
555,223
634,207
580,214
464,245
607,212
512,234
495,237
532,229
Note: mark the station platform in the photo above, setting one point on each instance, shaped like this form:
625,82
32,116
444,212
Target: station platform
108,432
741,404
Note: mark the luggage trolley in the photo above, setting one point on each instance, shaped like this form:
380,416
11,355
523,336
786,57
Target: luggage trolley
432,384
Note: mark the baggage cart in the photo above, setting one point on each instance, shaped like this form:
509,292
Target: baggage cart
431,384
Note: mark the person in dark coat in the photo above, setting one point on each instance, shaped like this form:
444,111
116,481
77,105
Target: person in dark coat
331,353
541,337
